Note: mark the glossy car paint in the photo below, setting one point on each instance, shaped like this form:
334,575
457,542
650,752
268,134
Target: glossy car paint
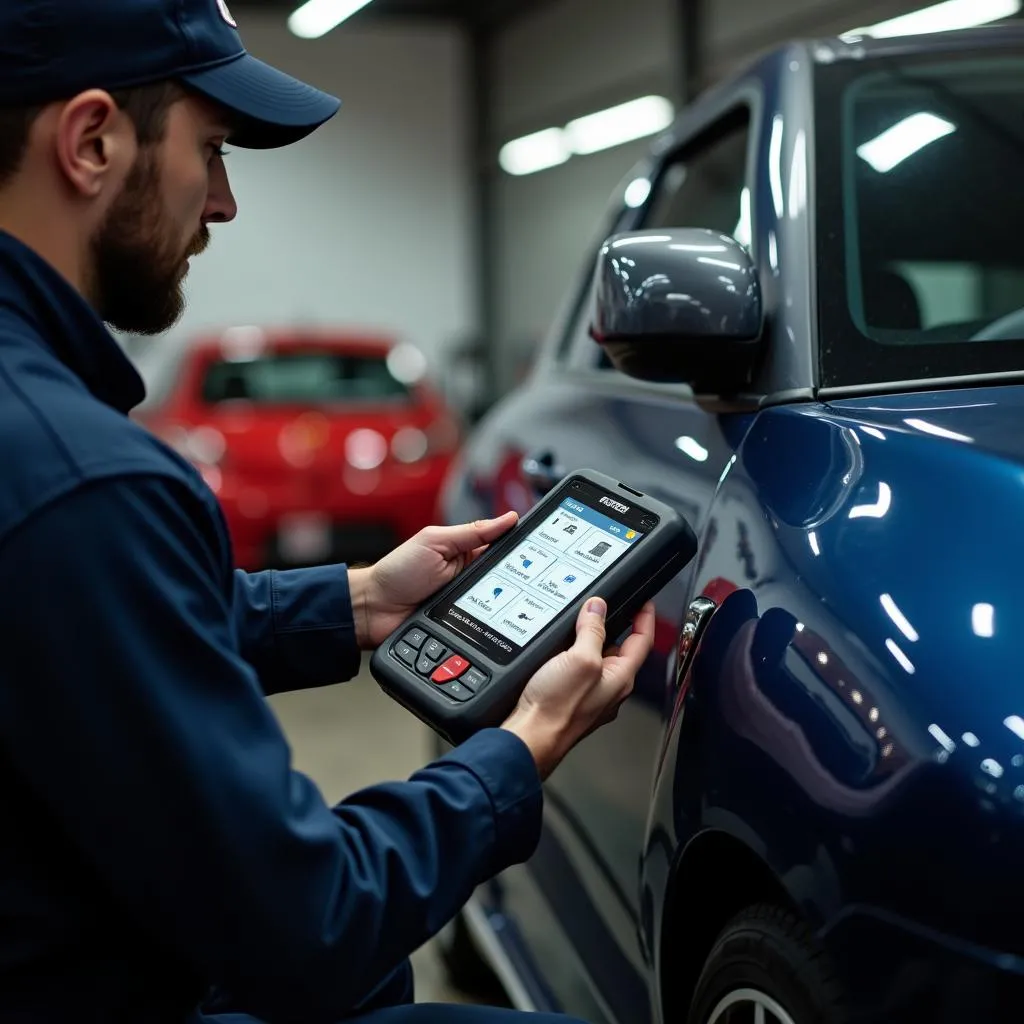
281,466
848,739
656,291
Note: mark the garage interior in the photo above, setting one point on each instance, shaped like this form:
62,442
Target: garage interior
407,216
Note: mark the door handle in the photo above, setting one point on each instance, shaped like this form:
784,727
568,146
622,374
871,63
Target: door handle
698,615
542,470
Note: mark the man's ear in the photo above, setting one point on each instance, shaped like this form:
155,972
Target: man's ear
96,142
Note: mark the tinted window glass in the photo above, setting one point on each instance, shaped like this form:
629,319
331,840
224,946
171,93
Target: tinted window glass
918,209
315,378
706,187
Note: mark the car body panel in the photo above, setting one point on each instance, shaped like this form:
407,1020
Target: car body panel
789,761
844,731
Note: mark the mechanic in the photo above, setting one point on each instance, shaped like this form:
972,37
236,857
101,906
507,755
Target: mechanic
160,859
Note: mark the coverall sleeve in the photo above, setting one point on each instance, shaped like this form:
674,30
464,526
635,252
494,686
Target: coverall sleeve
144,732
295,628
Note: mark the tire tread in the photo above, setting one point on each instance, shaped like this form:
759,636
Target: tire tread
771,934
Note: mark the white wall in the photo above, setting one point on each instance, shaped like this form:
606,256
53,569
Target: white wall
552,64
368,222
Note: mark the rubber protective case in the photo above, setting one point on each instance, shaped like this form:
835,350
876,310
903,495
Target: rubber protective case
663,551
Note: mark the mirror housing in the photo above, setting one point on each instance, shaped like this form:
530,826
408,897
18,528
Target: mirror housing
680,304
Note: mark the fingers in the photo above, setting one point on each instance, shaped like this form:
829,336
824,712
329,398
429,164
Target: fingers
638,644
471,536
476,553
590,629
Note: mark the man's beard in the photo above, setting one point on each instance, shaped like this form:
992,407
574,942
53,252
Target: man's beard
138,266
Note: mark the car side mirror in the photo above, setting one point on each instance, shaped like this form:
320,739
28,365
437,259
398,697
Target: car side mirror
681,304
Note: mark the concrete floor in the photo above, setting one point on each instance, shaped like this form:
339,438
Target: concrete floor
349,736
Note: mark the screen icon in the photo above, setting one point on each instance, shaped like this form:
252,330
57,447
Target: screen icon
630,534
600,549
569,579
527,562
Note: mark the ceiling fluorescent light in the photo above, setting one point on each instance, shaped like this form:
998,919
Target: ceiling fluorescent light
616,125
536,152
944,17
316,18
903,139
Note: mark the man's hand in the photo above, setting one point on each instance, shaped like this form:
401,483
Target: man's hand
580,689
387,593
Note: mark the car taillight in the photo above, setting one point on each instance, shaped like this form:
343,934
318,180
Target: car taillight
365,449
204,446
410,444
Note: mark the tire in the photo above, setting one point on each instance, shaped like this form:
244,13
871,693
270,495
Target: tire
463,965
767,955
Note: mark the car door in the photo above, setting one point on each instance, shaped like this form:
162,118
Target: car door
577,902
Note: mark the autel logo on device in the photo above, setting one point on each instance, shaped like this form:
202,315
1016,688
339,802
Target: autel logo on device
614,504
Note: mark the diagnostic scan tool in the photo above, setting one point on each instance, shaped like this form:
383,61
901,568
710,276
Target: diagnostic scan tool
462,659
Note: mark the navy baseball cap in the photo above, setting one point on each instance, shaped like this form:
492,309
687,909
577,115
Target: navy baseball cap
54,49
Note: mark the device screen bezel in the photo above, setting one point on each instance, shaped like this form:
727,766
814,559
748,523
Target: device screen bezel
638,517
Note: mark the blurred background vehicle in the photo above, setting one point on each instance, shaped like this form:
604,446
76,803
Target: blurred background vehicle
320,446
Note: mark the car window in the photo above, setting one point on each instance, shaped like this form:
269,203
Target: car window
704,185
313,378
921,272
949,292
621,220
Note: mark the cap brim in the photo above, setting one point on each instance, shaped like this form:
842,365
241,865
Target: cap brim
272,109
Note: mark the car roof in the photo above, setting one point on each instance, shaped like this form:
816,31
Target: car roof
849,47
825,50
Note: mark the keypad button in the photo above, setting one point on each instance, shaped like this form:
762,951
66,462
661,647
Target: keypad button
425,666
415,638
405,652
434,650
475,679
456,690
451,669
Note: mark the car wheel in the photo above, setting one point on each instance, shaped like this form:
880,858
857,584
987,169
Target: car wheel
464,968
766,968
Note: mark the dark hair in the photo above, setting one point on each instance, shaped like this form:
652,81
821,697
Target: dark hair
146,105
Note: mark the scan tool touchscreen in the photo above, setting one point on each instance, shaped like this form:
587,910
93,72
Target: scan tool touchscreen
551,566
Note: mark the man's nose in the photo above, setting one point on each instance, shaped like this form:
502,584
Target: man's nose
220,201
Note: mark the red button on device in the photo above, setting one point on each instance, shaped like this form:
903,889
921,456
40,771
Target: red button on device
451,669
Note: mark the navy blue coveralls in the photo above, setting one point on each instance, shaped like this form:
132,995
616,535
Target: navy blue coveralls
156,842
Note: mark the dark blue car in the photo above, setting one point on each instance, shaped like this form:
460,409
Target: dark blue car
806,332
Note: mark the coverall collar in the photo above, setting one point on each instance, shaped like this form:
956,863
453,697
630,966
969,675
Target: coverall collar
64,322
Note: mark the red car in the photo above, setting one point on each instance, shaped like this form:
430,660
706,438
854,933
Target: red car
320,447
